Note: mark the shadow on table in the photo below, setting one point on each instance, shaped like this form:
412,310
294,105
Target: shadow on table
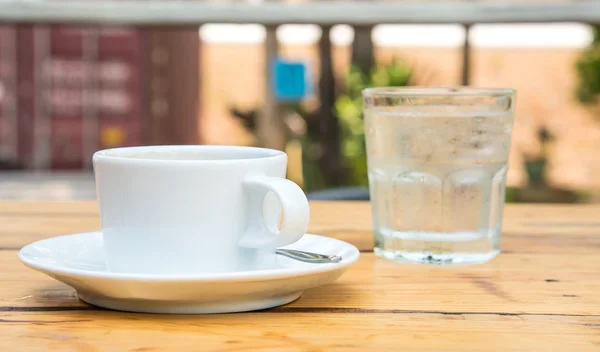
343,193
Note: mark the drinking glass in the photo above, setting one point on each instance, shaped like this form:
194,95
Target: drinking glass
437,161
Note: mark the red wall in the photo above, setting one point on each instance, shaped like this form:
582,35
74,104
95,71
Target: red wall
67,92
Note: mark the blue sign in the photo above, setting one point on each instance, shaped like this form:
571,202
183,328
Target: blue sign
290,80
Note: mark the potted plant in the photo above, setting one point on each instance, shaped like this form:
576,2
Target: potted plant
538,190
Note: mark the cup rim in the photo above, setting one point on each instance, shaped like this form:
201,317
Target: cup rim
437,91
117,154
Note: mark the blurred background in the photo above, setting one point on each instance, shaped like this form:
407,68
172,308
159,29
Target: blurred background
101,74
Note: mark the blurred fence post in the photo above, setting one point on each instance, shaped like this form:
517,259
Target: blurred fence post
91,128
362,48
466,57
330,161
9,111
172,81
269,126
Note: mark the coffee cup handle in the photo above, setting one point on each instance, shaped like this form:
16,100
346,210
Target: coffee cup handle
263,230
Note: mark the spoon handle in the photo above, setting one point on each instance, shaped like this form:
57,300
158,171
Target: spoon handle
309,257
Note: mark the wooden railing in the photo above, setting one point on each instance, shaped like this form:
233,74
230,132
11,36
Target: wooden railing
191,12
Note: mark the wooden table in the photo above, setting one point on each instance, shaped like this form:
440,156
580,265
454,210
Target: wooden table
542,292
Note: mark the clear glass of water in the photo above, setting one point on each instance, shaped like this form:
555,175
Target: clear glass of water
437,162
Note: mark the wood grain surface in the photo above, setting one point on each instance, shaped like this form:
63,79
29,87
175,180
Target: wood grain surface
543,291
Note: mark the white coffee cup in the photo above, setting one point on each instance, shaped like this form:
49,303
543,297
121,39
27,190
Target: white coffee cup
196,209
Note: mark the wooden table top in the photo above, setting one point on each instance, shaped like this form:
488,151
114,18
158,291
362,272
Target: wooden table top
542,292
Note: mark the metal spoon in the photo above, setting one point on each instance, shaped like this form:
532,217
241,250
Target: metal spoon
308,257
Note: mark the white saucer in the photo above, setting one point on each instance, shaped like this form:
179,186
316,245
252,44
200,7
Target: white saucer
79,261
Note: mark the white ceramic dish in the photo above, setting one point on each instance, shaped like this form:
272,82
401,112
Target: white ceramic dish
79,261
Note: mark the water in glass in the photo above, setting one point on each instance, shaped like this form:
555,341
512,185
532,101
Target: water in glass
437,183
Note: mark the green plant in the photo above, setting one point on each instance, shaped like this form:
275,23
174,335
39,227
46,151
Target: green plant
536,166
348,109
588,71
538,189
319,170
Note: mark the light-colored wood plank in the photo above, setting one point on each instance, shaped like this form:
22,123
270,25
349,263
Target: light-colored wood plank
313,332
527,228
17,231
356,216
59,208
535,284
14,236
534,219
